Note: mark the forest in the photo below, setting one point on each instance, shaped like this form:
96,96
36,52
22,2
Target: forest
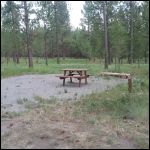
109,31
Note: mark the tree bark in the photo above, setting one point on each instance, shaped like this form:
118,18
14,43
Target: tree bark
105,30
17,58
115,63
109,50
27,36
119,64
56,23
131,33
138,62
45,46
14,57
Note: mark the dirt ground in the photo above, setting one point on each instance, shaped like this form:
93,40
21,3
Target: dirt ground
14,89
56,129
53,126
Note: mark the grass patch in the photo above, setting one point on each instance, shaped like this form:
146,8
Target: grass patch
10,114
40,102
141,143
128,106
117,103
22,101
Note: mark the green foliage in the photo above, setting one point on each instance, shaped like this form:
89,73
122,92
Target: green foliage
87,42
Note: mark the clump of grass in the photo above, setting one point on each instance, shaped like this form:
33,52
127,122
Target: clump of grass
91,120
30,105
128,106
117,103
65,91
41,100
10,114
140,142
22,101
140,84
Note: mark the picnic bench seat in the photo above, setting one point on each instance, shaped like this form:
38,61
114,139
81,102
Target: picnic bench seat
73,76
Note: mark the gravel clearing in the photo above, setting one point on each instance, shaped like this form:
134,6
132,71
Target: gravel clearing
14,89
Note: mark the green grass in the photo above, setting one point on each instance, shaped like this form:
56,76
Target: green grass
117,103
12,69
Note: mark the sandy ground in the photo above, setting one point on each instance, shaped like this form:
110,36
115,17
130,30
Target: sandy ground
14,89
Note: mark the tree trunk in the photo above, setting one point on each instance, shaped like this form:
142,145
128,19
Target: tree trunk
115,64
27,35
131,33
138,62
109,50
45,46
63,48
118,64
105,30
14,57
14,35
17,58
56,24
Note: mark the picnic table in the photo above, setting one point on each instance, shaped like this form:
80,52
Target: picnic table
74,73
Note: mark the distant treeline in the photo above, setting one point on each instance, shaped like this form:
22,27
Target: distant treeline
110,30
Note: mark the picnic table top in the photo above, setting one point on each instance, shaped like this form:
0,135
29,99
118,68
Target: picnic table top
74,69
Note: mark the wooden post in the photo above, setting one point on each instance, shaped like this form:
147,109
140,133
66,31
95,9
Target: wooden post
63,81
79,82
129,84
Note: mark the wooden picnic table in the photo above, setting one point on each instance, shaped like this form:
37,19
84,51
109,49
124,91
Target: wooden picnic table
74,73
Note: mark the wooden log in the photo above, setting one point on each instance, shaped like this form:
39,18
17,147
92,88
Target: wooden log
121,75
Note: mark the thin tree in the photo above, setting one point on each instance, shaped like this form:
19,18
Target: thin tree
26,20
56,30
105,33
131,33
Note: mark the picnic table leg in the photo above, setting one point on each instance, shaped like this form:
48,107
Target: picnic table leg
70,79
63,81
85,80
79,82
85,77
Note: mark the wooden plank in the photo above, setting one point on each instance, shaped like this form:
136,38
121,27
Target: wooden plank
77,76
75,69
127,76
121,75
117,74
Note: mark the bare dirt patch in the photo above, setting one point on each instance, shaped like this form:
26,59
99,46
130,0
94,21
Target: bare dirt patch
16,90
55,128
